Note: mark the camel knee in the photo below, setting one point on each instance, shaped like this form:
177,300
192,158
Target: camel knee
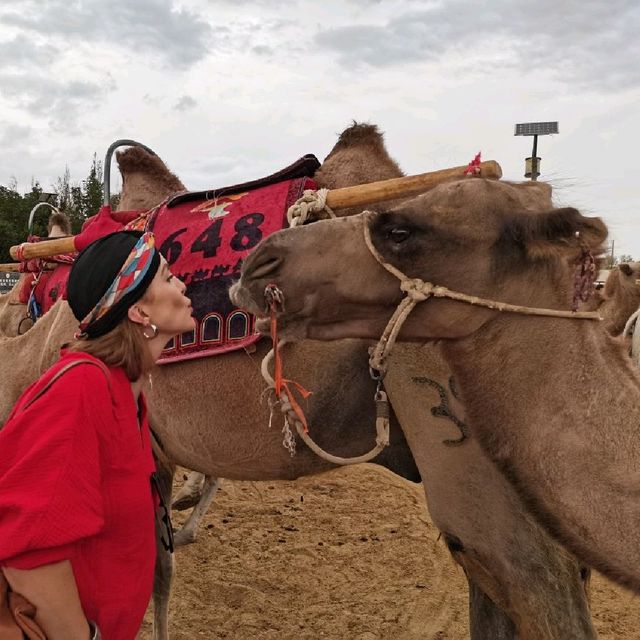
190,493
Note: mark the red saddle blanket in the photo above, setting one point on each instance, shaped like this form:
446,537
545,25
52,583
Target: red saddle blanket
205,243
46,279
204,237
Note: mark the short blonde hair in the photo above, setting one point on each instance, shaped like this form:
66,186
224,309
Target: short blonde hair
124,346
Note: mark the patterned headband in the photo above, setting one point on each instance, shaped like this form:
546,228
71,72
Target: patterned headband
129,277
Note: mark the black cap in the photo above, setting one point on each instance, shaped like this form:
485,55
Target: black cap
93,272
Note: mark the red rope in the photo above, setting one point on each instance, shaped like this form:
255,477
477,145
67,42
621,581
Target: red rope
280,382
473,168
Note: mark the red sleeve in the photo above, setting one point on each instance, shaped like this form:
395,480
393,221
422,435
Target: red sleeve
50,478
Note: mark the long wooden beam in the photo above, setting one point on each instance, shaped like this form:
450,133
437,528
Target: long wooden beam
403,187
336,199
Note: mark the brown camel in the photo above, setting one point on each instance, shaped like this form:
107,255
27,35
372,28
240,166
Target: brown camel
566,616
12,313
474,507
223,431
565,438
620,296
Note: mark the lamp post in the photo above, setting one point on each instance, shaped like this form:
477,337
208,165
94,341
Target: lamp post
535,129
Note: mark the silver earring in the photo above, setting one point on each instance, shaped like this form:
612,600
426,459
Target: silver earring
154,331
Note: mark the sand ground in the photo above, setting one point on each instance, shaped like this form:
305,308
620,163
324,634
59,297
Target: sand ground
350,554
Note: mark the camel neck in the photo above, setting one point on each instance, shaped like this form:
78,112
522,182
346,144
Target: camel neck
554,403
519,367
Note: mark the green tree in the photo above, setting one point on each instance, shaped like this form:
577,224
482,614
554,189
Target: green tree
78,200
14,216
69,199
92,189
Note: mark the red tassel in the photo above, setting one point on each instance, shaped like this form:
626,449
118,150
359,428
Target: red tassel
280,382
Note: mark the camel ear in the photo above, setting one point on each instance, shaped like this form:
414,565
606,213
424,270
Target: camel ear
625,268
560,232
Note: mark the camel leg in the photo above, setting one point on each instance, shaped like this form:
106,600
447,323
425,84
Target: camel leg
187,533
486,620
190,493
163,575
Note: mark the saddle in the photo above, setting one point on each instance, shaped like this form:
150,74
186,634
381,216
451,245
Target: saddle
204,236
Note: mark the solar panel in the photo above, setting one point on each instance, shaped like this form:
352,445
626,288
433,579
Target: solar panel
536,128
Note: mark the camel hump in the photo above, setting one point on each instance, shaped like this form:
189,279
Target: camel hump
359,157
137,160
358,134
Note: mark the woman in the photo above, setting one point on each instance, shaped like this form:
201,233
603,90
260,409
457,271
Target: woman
76,505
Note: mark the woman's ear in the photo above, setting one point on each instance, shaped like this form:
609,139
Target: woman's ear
137,315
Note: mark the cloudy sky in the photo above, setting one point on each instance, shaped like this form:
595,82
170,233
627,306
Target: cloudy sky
231,90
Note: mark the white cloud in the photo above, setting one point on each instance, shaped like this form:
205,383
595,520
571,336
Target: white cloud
176,36
185,103
230,91
590,44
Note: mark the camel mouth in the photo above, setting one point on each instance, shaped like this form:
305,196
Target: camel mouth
291,329
242,298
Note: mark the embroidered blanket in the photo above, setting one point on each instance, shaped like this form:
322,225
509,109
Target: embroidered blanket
47,279
205,242
204,236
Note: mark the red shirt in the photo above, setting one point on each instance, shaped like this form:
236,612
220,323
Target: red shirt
75,485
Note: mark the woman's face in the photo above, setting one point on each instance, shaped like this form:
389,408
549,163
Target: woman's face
166,305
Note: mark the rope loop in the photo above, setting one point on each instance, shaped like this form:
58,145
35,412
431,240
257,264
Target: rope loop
416,289
311,206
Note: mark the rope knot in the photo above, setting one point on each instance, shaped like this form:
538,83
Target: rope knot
416,289
311,206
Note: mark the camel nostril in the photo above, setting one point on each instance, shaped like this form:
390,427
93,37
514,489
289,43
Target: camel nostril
266,268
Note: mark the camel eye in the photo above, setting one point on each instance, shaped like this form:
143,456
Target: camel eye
399,234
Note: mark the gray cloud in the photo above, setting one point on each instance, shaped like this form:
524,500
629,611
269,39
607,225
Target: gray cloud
185,103
262,50
14,134
21,52
59,100
592,44
151,26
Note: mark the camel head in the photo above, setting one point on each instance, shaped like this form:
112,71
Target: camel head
621,296
479,237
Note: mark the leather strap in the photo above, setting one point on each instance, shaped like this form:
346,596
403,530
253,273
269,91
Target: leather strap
63,370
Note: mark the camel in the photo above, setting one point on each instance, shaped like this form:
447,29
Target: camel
556,617
620,296
564,438
12,313
224,434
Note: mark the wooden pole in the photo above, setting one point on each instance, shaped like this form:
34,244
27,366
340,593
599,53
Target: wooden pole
403,187
336,199
15,266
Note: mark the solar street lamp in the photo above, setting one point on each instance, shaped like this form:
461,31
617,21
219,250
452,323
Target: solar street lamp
49,198
535,129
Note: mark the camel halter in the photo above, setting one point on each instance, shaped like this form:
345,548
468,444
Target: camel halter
418,290
311,206
284,392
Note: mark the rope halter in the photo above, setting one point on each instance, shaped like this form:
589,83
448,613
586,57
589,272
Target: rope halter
418,290
310,207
